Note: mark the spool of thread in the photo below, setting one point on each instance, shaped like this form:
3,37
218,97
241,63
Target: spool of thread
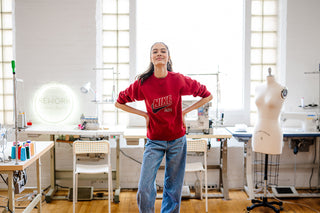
302,102
28,152
19,152
31,145
23,154
13,152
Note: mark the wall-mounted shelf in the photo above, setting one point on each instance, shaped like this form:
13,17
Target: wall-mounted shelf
312,72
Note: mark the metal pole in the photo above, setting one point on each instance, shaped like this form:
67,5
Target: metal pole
265,175
217,87
13,65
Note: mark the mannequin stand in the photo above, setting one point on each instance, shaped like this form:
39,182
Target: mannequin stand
264,201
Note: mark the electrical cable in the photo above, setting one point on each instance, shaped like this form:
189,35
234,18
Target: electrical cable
46,188
7,209
300,204
4,180
29,195
295,170
24,196
64,187
288,202
126,155
130,157
23,207
4,200
314,160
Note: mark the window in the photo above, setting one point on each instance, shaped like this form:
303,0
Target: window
264,43
6,42
205,37
115,56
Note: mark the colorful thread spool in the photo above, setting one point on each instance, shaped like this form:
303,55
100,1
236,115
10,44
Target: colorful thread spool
31,145
28,152
19,152
13,152
23,154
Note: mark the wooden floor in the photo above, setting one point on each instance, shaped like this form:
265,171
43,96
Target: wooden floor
237,203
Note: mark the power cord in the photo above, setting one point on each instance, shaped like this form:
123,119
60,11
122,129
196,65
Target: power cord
3,179
6,208
314,160
259,189
4,200
131,158
300,204
288,202
64,187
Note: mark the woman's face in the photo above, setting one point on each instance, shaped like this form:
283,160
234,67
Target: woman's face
159,54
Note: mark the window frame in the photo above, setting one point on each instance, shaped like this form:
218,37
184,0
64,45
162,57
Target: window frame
6,113
243,115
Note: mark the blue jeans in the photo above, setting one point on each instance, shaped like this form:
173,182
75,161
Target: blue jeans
155,150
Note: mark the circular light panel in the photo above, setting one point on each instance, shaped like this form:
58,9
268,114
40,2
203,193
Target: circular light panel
53,103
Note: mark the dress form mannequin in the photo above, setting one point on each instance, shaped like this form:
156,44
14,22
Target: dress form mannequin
267,136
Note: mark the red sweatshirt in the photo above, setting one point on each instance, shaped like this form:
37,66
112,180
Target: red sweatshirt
162,97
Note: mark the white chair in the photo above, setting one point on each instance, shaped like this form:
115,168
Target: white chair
199,146
85,147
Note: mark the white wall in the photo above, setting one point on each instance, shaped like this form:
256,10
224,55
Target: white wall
56,42
302,52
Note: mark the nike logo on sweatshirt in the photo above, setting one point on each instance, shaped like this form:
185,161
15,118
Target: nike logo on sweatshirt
161,103
158,109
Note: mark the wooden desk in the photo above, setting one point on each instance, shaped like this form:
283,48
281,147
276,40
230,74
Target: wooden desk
114,132
221,134
41,147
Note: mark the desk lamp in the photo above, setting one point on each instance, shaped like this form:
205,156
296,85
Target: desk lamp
86,88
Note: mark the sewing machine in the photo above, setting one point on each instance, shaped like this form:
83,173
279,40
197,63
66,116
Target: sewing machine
197,121
302,121
89,122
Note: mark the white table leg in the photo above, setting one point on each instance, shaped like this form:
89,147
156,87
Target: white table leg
225,168
249,169
116,197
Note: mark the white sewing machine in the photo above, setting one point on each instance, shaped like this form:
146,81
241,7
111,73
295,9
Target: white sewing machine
197,121
300,121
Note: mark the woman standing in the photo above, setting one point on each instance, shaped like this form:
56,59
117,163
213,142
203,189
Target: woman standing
161,89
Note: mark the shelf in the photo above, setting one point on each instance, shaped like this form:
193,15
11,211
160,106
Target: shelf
312,72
